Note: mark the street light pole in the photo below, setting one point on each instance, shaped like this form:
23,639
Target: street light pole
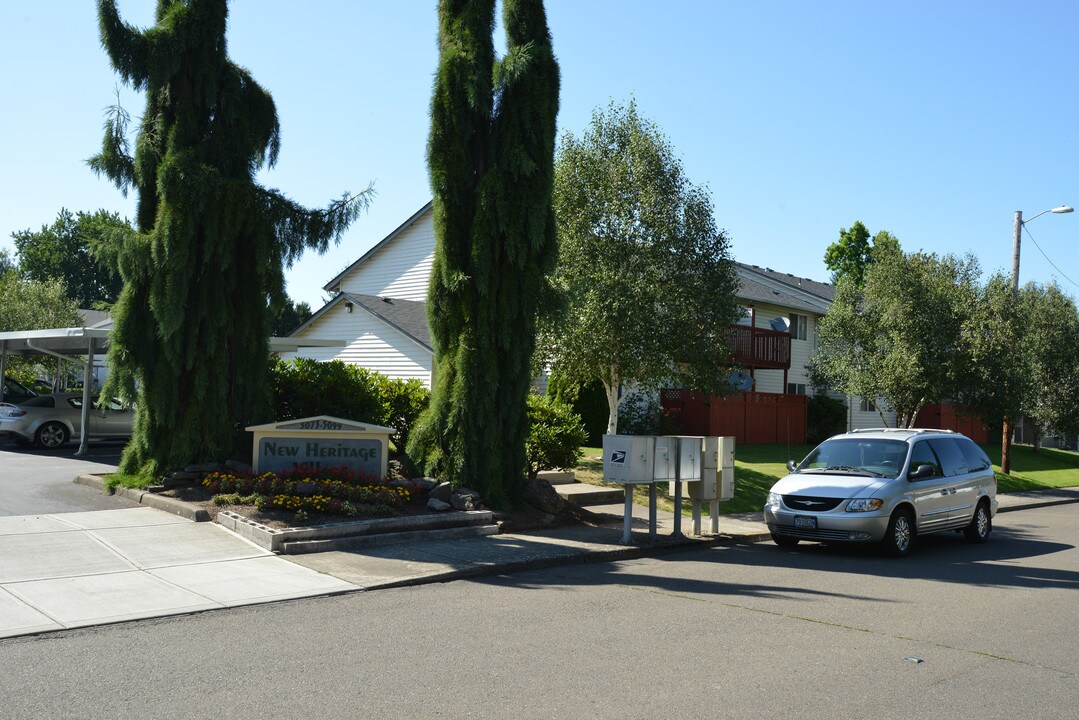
1006,432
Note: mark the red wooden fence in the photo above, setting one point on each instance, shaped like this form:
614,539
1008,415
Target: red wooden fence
946,416
753,418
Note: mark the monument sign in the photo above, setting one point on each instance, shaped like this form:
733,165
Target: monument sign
322,441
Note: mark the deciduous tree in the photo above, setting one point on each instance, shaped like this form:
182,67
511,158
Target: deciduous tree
647,279
65,250
490,152
899,336
852,253
191,324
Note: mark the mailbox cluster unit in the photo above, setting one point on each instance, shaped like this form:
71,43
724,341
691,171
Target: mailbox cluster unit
702,468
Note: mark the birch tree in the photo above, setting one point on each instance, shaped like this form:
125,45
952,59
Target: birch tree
646,277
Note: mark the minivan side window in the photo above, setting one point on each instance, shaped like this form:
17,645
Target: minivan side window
922,454
951,455
977,460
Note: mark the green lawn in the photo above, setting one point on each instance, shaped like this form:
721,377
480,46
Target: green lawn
757,467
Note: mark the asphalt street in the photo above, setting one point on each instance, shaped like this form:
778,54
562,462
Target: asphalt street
745,631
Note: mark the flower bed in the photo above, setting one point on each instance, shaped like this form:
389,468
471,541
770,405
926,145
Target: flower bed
305,489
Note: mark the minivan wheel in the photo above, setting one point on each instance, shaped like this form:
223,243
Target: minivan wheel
899,539
980,525
783,541
51,435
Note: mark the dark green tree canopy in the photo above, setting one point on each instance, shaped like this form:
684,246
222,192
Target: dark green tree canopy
647,278
191,324
852,253
67,250
490,154
288,316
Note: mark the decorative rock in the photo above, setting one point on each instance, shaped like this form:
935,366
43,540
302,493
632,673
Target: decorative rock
442,492
468,492
462,502
237,466
539,493
305,488
438,505
425,484
204,468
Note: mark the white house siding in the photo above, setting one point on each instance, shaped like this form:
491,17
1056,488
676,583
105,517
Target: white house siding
374,344
401,268
858,419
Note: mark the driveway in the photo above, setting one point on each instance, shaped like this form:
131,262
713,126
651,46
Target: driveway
39,481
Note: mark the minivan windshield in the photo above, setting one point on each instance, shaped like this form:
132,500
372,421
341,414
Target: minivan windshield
857,456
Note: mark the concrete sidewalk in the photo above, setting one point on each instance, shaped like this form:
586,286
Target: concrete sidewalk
91,568
79,569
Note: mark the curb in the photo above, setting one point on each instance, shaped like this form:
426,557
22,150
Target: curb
175,507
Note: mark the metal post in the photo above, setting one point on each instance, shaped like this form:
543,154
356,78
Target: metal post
713,526
3,362
627,516
677,509
651,512
697,517
87,401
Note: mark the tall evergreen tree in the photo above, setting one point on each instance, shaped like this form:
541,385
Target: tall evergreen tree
491,158
191,324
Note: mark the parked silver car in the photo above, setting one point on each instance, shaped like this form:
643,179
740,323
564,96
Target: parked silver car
52,420
886,486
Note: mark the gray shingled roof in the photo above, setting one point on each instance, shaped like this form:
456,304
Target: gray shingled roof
408,316
825,291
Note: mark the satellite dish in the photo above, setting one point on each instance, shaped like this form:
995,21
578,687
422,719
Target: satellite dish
780,324
740,380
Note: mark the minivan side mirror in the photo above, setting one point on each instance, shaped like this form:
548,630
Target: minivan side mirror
922,471
792,466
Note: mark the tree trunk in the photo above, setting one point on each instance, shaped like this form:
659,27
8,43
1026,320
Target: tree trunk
612,406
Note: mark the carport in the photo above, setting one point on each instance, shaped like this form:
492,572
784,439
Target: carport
84,345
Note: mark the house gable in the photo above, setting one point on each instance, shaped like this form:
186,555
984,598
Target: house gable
399,266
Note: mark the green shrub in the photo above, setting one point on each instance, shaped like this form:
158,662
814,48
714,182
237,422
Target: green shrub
404,400
639,415
305,388
825,417
589,400
555,435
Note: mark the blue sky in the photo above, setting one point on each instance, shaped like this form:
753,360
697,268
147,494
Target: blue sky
935,121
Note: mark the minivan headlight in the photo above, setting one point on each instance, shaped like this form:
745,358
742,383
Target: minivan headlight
774,498
865,505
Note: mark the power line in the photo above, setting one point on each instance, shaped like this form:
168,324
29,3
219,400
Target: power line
1047,257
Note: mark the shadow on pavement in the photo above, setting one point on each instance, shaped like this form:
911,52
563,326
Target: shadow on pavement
941,557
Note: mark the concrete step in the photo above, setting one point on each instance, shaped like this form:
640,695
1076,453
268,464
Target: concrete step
381,539
583,494
557,477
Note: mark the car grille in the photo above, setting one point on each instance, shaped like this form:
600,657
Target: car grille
812,504
809,533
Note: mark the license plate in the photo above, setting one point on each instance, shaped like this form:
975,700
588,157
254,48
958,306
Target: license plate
804,521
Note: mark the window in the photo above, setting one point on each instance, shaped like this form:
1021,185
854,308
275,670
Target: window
951,456
922,454
867,405
976,458
799,327
796,388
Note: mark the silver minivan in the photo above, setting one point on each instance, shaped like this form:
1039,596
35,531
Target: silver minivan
885,486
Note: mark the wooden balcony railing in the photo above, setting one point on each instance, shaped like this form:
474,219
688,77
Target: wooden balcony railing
758,348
